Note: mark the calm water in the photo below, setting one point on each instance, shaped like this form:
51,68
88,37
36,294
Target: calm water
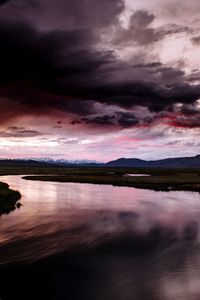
84,241
137,175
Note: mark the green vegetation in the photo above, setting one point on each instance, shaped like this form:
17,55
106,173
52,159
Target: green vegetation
8,199
159,179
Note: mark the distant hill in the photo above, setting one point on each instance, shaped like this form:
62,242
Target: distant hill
18,163
180,162
68,162
42,163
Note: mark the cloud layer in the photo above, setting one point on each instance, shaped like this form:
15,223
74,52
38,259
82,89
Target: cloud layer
98,65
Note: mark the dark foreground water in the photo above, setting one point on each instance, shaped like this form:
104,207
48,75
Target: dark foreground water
82,241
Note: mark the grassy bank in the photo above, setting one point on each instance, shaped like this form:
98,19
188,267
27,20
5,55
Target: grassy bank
159,180
8,199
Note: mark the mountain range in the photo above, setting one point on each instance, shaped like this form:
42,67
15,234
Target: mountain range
179,162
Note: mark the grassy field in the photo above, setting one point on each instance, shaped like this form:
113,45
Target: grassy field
190,182
8,199
159,179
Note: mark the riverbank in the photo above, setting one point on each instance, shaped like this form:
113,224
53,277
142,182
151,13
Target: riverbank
8,198
159,180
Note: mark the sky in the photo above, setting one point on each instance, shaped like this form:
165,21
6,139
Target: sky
99,80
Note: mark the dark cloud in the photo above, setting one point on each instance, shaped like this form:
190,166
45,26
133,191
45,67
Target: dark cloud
19,132
194,76
168,74
151,65
138,29
190,110
29,55
65,141
64,14
100,120
142,32
155,97
57,65
185,122
57,127
125,119
47,69
41,70
171,29
121,119
3,2
196,40
185,116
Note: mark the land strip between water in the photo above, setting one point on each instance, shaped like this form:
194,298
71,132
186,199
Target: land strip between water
8,199
158,179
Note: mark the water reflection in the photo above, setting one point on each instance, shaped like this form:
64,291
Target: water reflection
136,175
100,242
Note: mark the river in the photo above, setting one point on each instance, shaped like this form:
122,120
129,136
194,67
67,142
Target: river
99,242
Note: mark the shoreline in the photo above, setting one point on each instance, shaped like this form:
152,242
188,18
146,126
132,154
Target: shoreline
156,183
8,199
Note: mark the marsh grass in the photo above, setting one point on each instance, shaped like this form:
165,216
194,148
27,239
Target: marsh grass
159,180
8,199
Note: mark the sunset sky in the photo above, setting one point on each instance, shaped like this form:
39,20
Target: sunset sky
90,79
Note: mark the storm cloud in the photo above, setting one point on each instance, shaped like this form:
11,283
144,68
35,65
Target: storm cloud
98,65
56,69
19,132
